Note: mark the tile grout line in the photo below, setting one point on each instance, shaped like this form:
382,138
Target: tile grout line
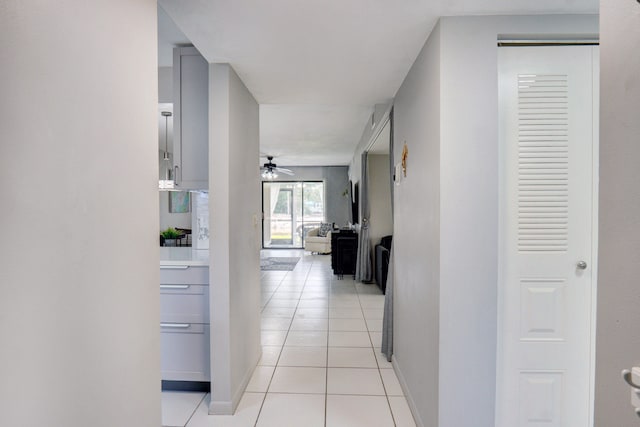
281,349
330,281
326,364
274,370
195,410
386,395
279,354
271,297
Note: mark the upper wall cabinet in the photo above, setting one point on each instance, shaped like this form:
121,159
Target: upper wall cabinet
191,119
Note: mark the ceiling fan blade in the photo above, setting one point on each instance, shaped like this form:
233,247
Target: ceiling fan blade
285,171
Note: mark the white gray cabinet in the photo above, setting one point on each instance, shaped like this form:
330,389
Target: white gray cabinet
185,351
184,323
191,119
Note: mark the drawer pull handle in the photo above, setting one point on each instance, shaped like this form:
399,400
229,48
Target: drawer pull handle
175,325
175,286
174,267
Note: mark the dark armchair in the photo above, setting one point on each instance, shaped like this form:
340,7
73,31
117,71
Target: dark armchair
382,251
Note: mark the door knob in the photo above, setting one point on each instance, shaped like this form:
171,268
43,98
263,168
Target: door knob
581,265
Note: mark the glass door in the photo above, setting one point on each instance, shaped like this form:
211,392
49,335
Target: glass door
313,211
290,210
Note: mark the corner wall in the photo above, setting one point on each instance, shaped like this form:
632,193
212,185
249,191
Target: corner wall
234,199
618,340
416,234
79,305
446,216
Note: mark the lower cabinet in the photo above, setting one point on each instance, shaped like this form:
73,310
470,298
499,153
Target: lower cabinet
184,323
185,351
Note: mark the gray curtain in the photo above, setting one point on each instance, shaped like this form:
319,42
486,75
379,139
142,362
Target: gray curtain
392,167
387,322
363,261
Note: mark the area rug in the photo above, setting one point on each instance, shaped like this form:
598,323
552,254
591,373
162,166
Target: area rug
279,263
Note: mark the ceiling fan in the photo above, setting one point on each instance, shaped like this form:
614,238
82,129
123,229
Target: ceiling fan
270,170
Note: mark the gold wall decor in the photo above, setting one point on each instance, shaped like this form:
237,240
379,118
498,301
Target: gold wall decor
405,154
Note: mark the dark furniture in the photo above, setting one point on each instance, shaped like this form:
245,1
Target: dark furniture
383,250
344,252
186,235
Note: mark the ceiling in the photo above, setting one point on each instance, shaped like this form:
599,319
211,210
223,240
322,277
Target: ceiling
317,68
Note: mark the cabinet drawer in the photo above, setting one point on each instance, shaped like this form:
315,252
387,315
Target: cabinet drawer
184,275
184,351
184,303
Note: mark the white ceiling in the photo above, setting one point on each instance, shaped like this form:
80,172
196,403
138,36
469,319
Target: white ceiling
321,66
311,135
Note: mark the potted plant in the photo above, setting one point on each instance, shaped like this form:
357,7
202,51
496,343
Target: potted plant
170,235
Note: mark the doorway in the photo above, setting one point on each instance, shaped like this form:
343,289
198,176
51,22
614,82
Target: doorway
380,198
548,99
289,210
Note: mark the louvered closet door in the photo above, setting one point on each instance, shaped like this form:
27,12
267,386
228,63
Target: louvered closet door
547,105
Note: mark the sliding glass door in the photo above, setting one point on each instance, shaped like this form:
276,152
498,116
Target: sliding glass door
313,212
290,210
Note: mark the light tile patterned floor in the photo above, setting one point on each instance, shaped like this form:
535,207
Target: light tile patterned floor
321,363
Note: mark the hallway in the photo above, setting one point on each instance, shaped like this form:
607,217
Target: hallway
321,363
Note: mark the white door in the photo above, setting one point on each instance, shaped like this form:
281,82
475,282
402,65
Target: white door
548,136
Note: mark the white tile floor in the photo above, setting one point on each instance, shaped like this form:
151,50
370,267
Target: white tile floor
321,363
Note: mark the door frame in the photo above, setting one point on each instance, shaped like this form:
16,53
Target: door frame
502,205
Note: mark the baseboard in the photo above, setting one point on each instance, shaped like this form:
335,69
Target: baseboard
220,408
225,407
405,390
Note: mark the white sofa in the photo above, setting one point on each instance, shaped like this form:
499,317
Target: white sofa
315,243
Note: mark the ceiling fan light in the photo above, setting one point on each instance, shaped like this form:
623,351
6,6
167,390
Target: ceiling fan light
269,174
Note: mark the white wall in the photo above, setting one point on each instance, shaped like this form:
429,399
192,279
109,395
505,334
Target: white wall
416,234
618,340
79,305
381,223
234,198
469,203
446,216
165,84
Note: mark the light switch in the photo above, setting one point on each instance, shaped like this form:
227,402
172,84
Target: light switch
397,173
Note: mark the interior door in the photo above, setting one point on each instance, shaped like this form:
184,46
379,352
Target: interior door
548,136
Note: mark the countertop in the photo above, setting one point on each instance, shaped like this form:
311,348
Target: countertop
183,256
